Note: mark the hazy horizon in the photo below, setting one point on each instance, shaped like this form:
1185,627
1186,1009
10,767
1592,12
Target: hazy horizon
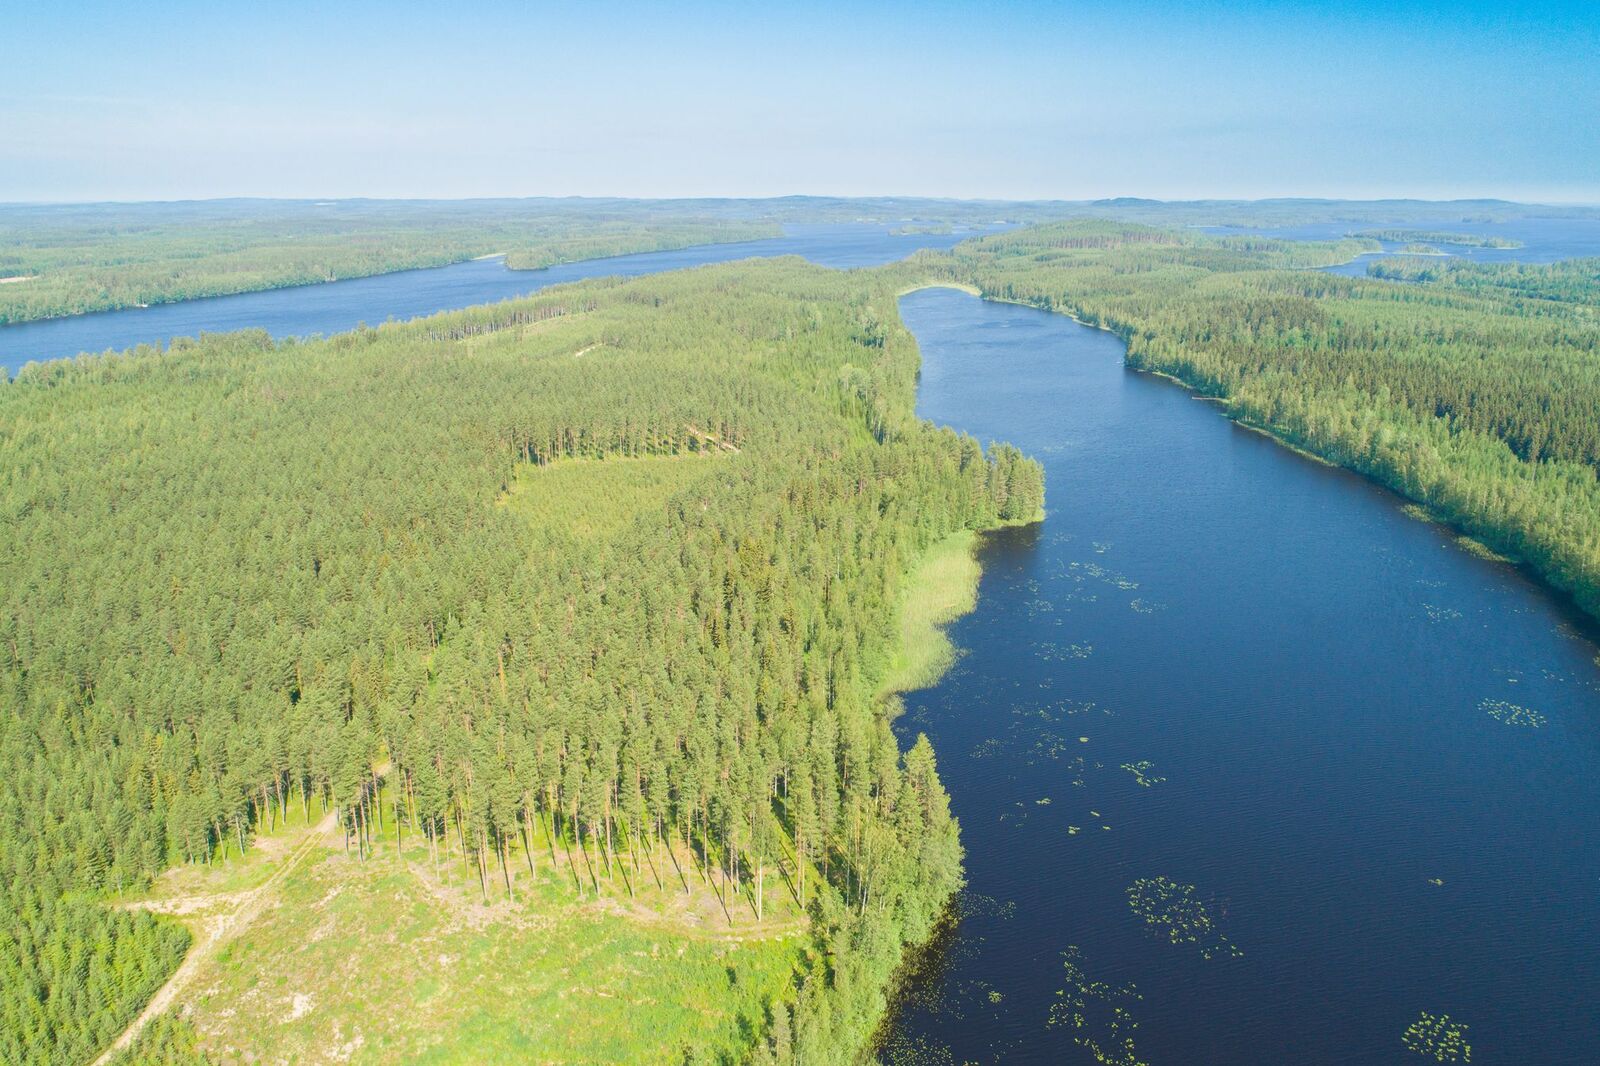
1239,100
909,197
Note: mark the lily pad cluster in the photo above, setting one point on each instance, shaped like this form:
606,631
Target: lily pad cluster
1098,1014
1051,651
1175,909
1079,571
1436,1037
1142,773
1512,713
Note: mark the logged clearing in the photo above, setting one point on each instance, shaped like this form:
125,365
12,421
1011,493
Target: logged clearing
385,960
598,498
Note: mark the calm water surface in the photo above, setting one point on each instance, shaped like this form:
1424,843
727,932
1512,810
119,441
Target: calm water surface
1306,667
1544,240
342,305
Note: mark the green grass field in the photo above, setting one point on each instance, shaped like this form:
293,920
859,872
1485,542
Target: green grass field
595,499
384,960
942,588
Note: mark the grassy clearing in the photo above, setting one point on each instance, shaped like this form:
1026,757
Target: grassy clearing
942,588
229,872
597,498
393,959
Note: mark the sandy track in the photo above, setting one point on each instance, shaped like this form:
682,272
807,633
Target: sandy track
219,929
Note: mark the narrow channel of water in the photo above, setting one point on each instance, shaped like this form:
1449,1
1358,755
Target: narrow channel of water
1373,754
303,310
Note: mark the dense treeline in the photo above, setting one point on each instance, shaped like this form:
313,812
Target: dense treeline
1476,397
69,260
1571,281
605,240
1431,236
242,574
66,259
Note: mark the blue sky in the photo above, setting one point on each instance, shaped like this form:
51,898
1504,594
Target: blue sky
1025,100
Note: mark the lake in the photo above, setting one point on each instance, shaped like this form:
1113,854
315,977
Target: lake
1372,754
1544,240
334,307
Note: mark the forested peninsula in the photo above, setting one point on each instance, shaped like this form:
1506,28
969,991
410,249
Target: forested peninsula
1472,392
553,612
560,635
69,261
1421,236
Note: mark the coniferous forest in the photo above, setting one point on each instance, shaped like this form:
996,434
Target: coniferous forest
243,576
1472,389
247,579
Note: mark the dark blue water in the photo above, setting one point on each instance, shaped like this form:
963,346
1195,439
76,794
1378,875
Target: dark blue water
1306,667
1545,240
342,305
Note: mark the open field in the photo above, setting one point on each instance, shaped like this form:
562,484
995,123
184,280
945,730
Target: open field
389,960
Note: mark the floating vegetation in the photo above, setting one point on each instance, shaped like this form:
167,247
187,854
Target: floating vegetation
902,1050
1080,571
1097,1013
1437,882
1017,816
1437,1037
978,905
1042,802
1174,909
1047,748
1036,734
1512,713
1144,606
995,996
1141,773
1050,651
1083,740
1073,830
1436,613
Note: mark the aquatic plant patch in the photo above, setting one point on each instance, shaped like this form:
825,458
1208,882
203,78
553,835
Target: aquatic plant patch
1436,1037
1143,773
1175,910
1098,1014
1512,713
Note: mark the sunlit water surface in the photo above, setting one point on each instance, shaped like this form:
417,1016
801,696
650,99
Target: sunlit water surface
304,310
1310,673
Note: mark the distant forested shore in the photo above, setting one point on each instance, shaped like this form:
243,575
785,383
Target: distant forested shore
1423,236
1472,392
68,259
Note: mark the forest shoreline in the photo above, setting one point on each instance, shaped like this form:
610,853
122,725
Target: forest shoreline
1560,564
1477,541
